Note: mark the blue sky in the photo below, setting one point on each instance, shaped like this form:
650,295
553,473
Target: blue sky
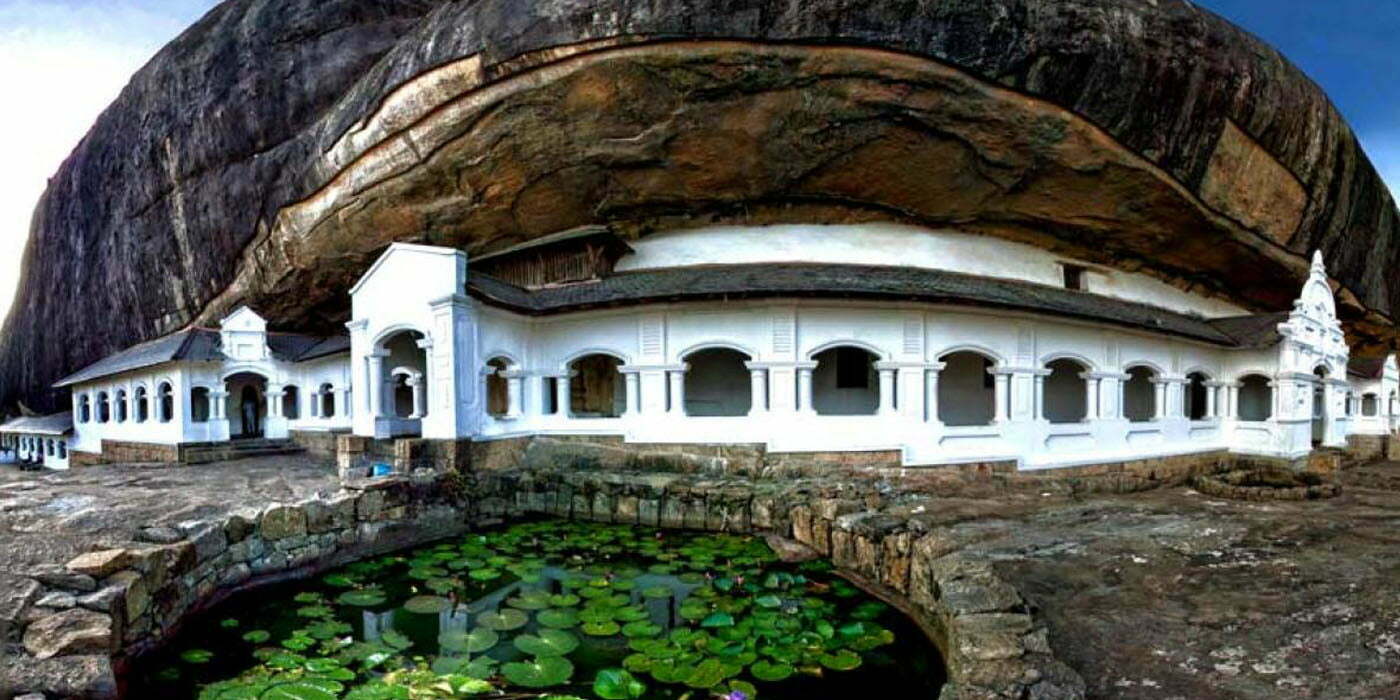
63,61
1349,47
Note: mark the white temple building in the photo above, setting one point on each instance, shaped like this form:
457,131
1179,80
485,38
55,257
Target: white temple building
943,346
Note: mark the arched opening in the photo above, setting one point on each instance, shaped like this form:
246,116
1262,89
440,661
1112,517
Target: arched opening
1197,396
1140,394
121,406
1391,403
165,408
104,407
1320,408
48,447
143,406
246,406
405,366
497,388
1256,398
966,389
1370,405
84,409
1065,399
718,383
63,449
326,396
200,407
596,388
291,402
845,382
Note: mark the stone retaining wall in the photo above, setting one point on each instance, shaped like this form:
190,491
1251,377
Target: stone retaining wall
321,443
111,606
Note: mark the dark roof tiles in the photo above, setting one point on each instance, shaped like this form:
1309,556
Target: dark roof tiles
848,281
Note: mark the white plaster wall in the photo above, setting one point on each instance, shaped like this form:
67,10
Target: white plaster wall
899,245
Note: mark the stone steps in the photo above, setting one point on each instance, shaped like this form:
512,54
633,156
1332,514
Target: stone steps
240,449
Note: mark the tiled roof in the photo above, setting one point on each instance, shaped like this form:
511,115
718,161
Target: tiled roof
202,345
1255,331
855,282
56,424
195,344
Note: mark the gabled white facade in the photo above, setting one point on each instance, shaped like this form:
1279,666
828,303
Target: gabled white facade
1141,394
938,383
213,400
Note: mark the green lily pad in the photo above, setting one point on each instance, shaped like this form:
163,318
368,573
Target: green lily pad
540,672
564,600
771,671
549,642
641,628
601,629
617,684
363,598
707,674
530,600
504,619
558,618
229,623
256,636
304,689
478,640
340,581
657,592
718,619
841,660
427,604
197,656
484,574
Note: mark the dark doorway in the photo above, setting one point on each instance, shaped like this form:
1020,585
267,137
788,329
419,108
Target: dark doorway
250,409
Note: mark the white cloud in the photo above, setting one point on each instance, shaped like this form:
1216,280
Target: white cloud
62,62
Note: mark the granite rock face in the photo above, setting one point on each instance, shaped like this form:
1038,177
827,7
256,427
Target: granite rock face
270,152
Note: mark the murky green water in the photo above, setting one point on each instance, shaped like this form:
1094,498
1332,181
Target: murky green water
552,609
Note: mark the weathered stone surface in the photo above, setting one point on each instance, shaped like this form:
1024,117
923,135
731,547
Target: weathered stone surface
59,577
159,534
100,564
1192,150
70,632
57,600
283,521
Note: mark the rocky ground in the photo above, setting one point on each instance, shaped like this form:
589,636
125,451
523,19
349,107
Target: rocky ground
48,519
1172,594
1163,594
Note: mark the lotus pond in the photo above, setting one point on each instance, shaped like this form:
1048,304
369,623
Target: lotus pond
558,610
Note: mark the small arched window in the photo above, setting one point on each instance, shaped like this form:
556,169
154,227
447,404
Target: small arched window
143,406
327,398
1140,394
104,407
291,402
84,409
121,406
165,399
63,449
199,404
1370,405
1256,398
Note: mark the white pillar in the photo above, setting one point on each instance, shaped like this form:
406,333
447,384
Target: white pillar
1159,399
758,391
1091,396
886,391
931,394
515,394
374,398
804,390
342,402
633,382
420,400
562,394
1003,396
677,379
1212,399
